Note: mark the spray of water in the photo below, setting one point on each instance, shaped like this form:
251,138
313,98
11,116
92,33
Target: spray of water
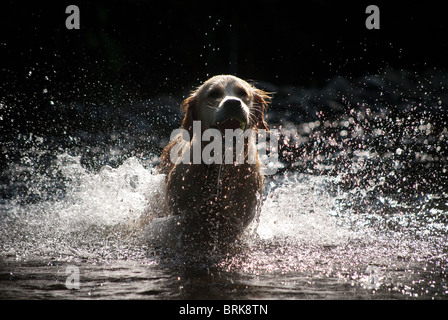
362,196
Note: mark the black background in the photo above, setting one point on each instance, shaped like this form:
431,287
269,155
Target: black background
144,48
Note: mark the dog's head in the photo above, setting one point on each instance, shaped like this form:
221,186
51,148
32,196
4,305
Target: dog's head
226,102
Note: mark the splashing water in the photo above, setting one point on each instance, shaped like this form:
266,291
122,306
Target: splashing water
308,235
359,211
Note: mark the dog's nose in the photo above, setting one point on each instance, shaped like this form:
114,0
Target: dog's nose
231,108
232,105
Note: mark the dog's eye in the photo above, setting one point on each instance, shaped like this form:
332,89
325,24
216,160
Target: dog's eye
241,93
215,93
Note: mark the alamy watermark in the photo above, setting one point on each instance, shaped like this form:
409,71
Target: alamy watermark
72,281
373,20
240,147
72,21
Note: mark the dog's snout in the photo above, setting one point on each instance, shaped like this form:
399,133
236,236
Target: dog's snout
231,108
232,105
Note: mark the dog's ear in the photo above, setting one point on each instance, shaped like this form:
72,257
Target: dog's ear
188,108
261,101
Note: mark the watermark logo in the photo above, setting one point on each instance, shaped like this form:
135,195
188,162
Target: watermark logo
373,20
373,280
72,281
239,147
72,21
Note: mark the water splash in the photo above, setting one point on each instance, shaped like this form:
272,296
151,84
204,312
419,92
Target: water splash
301,209
91,207
361,200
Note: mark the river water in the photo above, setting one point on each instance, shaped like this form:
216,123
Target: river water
357,210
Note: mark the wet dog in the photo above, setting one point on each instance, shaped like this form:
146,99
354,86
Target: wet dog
216,201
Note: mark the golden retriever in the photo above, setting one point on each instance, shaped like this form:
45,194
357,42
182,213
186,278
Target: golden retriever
216,201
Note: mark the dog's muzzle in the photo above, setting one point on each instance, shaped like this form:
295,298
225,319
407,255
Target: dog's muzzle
231,115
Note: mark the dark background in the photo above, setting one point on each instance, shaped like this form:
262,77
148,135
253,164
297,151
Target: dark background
145,48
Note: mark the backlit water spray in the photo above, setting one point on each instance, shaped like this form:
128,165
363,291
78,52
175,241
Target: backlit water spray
357,209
